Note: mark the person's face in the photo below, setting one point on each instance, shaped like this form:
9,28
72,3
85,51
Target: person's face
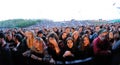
89,32
76,35
67,30
70,43
111,35
103,35
97,29
119,29
40,35
80,29
52,40
86,41
72,30
54,29
64,35
36,30
9,36
116,35
36,43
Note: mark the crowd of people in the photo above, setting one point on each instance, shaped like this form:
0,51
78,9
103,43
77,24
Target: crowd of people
81,45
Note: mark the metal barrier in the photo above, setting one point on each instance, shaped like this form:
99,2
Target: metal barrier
75,61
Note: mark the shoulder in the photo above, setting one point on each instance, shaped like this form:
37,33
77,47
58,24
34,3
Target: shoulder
96,39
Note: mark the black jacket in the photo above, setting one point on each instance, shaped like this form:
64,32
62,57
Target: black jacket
5,55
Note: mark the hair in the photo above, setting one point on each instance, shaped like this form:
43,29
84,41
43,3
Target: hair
74,34
18,37
39,32
82,42
70,38
60,36
67,27
73,28
30,40
53,35
40,40
50,45
2,35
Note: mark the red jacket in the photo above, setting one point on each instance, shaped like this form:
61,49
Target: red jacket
101,47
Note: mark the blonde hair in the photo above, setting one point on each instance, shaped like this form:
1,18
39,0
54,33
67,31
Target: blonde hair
75,32
29,40
41,48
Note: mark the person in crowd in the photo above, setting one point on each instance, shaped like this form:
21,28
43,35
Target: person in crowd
40,34
116,49
72,30
9,39
80,30
70,53
46,31
101,49
21,32
118,29
85,47
85,50
36,29
53,47
38,54
67,30
113,28
95,35
76,38
63,36
55,29
29,39
62,40
111,37
62,46
17,50
5,54
88,32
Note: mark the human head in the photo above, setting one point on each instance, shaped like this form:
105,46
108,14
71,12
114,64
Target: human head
39,44
40,33
69,42
116,35
67,30
64,35
97,28
102,34
30,38
75,35
29,34
2,36
17,38
52,36
85,40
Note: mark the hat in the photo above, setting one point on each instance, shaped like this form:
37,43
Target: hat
102,31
